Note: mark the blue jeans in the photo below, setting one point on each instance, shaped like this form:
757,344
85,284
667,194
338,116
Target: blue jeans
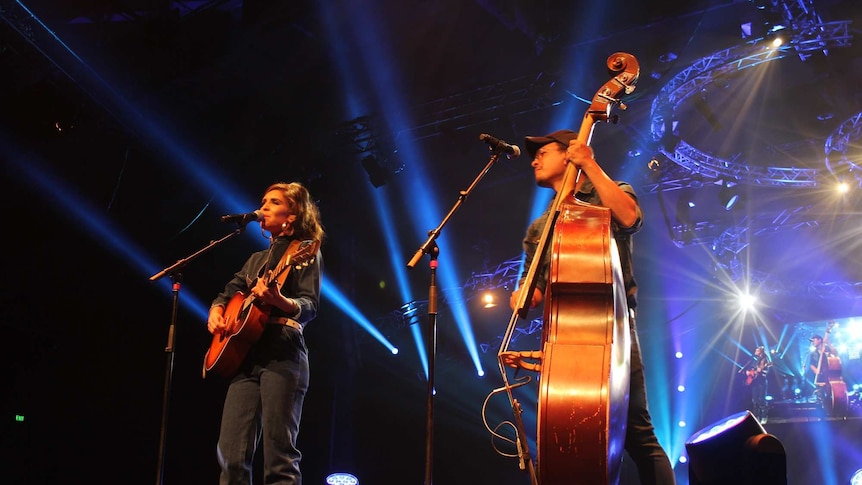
263,406
641,442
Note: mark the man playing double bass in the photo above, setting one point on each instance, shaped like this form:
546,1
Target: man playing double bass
551,154
818,364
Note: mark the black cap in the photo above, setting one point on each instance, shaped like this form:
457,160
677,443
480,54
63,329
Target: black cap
815,337
533,143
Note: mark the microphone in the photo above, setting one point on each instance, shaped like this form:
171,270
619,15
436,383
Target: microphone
498,144
243,219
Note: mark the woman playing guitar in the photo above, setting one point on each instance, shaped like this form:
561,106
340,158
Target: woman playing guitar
755,377
257,323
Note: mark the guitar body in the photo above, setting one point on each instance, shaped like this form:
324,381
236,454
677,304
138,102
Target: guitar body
584,383
245,320
245,317
752,375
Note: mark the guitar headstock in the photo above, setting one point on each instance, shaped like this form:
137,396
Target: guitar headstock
624,69
305,253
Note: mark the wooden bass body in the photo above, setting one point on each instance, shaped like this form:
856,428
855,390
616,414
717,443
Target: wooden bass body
584,382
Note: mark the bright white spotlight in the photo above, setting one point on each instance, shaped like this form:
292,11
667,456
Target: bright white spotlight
681,424
856,479
678,354
680,388
394,350
842,187
683,459
747,302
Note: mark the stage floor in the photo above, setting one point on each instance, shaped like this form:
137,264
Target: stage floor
809,409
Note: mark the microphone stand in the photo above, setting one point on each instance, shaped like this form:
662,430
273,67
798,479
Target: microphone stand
175,272
430,247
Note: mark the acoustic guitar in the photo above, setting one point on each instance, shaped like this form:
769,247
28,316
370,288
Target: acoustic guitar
754,373
246,316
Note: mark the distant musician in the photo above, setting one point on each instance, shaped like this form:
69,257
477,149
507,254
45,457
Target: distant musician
550,156
818,365
818,358
756,373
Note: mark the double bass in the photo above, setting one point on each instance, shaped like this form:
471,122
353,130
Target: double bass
583,365
836,400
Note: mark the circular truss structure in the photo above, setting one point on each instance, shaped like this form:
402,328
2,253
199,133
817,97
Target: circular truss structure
711,68
692,167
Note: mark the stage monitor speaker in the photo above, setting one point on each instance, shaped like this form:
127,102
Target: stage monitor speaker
736,450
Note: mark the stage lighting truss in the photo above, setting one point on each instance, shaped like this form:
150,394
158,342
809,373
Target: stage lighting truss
504,275
491,286
530,327
511,97
411,312
843,165
811,34
705,71
730,242
690,167
359,137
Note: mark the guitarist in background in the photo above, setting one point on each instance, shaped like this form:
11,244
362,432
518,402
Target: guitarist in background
263,405
551,154
755,378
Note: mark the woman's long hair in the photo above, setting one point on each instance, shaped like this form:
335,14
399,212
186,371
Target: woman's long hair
308,224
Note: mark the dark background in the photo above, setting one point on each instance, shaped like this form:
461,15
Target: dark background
128,127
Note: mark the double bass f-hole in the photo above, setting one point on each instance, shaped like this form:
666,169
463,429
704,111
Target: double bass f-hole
584,360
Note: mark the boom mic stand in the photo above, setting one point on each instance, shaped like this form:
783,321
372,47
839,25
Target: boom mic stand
175,272
430,247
